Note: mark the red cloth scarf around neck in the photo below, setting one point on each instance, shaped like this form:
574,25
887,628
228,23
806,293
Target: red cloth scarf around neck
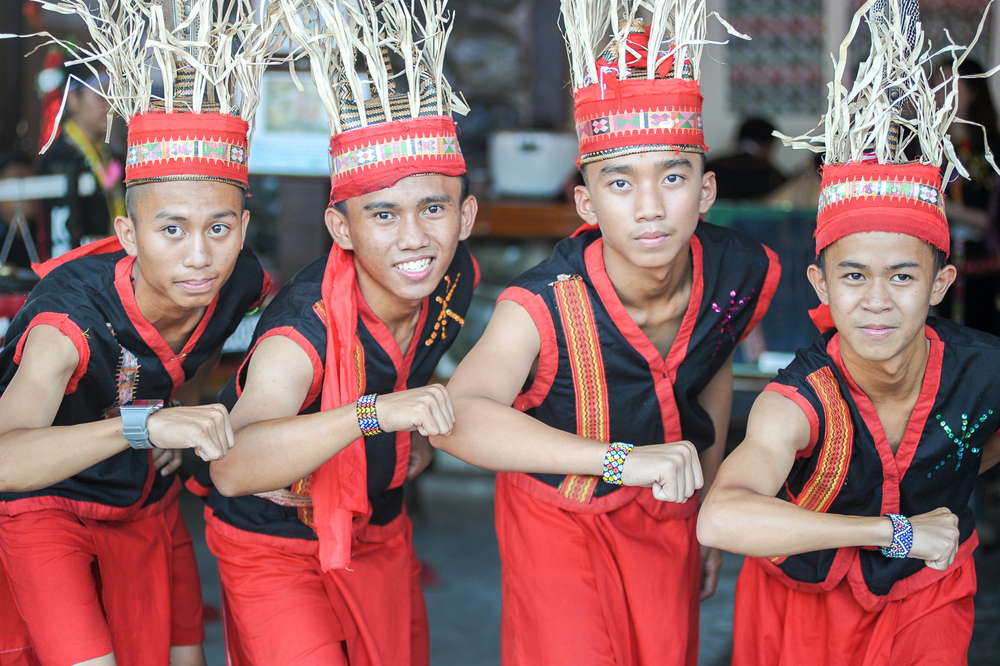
340,485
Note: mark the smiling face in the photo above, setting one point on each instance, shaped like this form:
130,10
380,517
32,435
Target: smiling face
880,287
186,236
647,204
403,237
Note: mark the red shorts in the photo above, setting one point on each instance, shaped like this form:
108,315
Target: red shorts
778,626
85,588
279,607
601,589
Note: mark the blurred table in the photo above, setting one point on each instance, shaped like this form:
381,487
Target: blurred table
514,218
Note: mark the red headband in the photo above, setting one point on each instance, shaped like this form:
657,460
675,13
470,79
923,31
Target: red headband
898,198
186,146
373,158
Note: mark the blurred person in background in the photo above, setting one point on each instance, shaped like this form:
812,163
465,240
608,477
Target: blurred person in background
78,148
748,172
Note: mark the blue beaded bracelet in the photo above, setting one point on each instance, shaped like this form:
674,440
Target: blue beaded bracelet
614,462
367,418
902,537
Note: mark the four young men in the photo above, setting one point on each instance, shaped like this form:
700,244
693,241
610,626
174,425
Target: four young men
608,365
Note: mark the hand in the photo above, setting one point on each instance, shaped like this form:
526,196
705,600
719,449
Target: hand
167,461
711,567
935,538
206,429
426,410
673,470
421,455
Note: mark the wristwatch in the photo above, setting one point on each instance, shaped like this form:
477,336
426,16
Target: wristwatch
134,416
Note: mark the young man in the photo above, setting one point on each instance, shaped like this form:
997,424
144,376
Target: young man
850,492
99,567
632,324
317,567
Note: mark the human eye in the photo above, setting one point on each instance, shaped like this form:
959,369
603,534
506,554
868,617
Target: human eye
902,278
172,231
219,230
674,178
854,277
435,209
619,184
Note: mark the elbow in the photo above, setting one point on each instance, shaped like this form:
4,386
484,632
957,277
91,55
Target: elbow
223,482
712,526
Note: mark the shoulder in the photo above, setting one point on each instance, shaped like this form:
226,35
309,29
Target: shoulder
957,335
721,244
567,260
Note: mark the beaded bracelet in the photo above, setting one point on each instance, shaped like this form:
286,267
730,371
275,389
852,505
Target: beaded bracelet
902,537
614,462
367,418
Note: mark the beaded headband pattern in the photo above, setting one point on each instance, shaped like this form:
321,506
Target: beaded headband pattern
211,56
384,125
631,95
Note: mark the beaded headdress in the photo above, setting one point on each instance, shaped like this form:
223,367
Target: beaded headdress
384,125
211,55
869,184
638,90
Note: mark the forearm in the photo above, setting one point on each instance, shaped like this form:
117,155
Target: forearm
275,453
494,436
748,523
35,458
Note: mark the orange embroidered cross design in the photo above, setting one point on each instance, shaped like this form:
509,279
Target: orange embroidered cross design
446,312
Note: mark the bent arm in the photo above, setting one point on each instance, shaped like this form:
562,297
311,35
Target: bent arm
741,513
489,432
34,454
275,445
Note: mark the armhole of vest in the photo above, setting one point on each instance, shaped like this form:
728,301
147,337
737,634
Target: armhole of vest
71,330
295,336
793,394
548,351
767,291
265,287
475,271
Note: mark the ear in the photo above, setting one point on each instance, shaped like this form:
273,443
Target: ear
470,207
944,279
340,230
243,226
709,190
818,281
585,205
125,229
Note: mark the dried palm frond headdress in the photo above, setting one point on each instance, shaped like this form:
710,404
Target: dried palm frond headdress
638,90
869,184
211,54
384,125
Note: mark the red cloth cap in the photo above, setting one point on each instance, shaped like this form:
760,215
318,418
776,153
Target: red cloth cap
637,115
898,198
369,159
186,146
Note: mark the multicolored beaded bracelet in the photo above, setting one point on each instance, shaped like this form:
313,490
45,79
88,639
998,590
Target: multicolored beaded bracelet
614,462
902,537
367,418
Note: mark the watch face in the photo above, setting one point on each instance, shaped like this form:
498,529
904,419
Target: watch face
144,403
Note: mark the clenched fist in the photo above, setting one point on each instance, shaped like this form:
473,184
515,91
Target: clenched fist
935,538
672,470
426,409
206,429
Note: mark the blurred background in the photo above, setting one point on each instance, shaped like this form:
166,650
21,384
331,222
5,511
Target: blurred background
507,57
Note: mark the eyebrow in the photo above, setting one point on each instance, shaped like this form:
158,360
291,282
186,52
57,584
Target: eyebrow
864,267
434,199
381,205
616,168
663,165
903,264
167,216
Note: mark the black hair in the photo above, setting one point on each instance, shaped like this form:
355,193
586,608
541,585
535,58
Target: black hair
341,206
757,130
940,260
133,192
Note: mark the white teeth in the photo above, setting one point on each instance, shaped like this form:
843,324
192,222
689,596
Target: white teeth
414,266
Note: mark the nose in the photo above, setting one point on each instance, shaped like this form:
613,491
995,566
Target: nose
876,299
412,233
648,203
197,255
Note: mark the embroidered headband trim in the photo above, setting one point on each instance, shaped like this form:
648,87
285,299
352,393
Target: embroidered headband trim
654,120
379,154
187,149
904,192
